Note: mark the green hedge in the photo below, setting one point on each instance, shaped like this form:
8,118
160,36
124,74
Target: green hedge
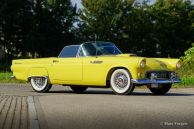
186,81
5,78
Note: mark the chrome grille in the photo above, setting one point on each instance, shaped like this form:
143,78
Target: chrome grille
160,74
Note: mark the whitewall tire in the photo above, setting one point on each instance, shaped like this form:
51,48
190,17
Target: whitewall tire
120,82
40,84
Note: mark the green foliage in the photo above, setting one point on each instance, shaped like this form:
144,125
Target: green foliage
188,62
173,26
163,29
187,70
189,55
186,81
5,78
36,28
41,28
108,20
53,27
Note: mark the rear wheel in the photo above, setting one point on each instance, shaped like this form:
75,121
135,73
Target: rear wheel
120,82
78,90
40,84
161,89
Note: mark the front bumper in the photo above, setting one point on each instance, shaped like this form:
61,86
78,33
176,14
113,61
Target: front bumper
155,81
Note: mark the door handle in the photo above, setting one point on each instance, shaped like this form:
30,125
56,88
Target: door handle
55,61
96,62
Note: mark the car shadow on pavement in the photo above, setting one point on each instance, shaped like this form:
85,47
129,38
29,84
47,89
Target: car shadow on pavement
86,92
167,94
100,92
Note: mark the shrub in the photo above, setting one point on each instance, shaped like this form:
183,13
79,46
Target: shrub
188,62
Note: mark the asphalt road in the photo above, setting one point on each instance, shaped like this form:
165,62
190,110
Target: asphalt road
101,109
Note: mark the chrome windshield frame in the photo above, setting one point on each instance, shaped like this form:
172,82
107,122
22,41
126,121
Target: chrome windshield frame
81,48
84,53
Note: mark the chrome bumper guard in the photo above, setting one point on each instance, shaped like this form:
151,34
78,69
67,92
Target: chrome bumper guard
156,81
12,77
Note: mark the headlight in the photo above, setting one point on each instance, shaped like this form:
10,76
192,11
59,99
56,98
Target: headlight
178,65
143,63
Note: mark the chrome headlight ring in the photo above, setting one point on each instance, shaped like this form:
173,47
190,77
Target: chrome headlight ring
143,63
178,65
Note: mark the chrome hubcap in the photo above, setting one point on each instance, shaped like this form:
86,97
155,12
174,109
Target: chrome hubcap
39,81
121,80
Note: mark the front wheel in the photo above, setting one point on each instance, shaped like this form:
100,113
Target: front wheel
78,90
40,84
162,89
120,82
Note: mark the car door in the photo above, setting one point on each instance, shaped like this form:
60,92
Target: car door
94,70
67,69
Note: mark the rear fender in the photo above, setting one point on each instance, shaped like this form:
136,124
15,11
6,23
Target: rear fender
37,72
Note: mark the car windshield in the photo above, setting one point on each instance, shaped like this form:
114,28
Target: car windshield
100,48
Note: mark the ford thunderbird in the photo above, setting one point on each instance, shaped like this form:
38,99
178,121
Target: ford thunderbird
98,64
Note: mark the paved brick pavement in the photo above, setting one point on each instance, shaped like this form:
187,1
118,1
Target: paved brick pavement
13,112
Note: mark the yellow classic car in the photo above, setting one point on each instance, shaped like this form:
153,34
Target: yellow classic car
98,64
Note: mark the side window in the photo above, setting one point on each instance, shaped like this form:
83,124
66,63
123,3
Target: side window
69,51
89,49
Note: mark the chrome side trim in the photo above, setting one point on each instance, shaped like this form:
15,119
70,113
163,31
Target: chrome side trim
96,62
158,81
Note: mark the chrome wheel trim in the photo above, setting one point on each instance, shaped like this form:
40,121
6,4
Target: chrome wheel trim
120,81
39,83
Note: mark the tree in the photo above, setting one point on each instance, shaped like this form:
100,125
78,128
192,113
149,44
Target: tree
53,27
106,19
173,26
11,25
36,28
188,62
163,29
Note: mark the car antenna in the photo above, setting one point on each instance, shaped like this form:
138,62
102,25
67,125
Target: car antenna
95,37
